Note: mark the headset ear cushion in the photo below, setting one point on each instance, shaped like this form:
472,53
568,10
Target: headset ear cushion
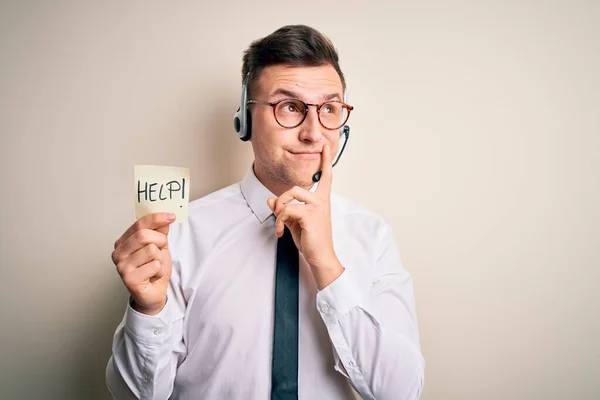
237,124
248,126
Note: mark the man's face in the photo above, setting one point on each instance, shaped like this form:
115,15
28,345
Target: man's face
290,157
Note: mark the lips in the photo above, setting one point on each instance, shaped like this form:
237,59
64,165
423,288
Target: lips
306,155
315,151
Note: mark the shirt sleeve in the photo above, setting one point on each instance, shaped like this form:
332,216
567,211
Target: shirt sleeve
147,350
373,327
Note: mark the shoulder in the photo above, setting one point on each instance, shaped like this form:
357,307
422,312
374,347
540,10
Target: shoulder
216,200
357,218
362,237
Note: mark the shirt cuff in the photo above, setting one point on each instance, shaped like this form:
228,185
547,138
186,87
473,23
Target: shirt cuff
149,329
338,298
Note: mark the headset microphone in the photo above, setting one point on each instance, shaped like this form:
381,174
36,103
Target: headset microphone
346,133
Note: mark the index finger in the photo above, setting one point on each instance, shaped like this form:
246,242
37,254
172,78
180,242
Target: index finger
324,187
151,221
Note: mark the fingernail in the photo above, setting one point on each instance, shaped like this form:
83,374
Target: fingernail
170,217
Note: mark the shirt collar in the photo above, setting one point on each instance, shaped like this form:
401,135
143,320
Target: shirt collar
256,195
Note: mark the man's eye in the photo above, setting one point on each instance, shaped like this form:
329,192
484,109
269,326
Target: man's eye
289,107
331,108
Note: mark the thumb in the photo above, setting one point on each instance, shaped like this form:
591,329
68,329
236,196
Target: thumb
165,231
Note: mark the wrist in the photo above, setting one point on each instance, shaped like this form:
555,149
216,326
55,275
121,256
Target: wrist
153,310
325,261
327,272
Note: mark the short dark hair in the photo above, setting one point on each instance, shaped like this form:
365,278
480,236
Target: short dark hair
294,45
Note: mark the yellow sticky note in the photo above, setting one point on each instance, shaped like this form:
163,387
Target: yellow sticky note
161,189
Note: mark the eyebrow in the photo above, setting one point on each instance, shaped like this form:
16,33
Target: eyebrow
294,95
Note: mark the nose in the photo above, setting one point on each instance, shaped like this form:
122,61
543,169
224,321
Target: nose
311,129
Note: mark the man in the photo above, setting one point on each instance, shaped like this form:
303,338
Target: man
274,287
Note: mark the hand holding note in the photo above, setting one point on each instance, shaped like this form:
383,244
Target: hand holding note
141,254
144,263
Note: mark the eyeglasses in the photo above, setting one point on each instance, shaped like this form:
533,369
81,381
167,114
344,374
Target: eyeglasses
290,113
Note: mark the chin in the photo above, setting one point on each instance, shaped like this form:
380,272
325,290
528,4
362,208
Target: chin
304,180
296,174
304,174
304,183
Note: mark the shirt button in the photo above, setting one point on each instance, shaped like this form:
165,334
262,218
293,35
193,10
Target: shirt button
352,364
324,308
157,332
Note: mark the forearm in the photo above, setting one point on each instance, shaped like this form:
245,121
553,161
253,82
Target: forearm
375,340
144,359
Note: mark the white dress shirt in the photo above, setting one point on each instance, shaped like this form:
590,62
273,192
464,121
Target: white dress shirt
213,339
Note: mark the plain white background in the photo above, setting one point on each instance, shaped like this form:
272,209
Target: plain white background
476,134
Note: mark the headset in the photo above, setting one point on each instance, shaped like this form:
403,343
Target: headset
242,124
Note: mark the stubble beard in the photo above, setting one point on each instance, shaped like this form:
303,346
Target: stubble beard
287,176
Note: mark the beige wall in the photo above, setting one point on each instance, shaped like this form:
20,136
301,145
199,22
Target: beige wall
476,134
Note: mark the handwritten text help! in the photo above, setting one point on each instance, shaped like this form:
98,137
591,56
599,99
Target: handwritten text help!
161,189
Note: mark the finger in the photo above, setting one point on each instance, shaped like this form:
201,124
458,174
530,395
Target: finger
147,271
164,255
150,221
295,193
324,187
279,207
164,230
292,212
138,258
138,240
273,205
